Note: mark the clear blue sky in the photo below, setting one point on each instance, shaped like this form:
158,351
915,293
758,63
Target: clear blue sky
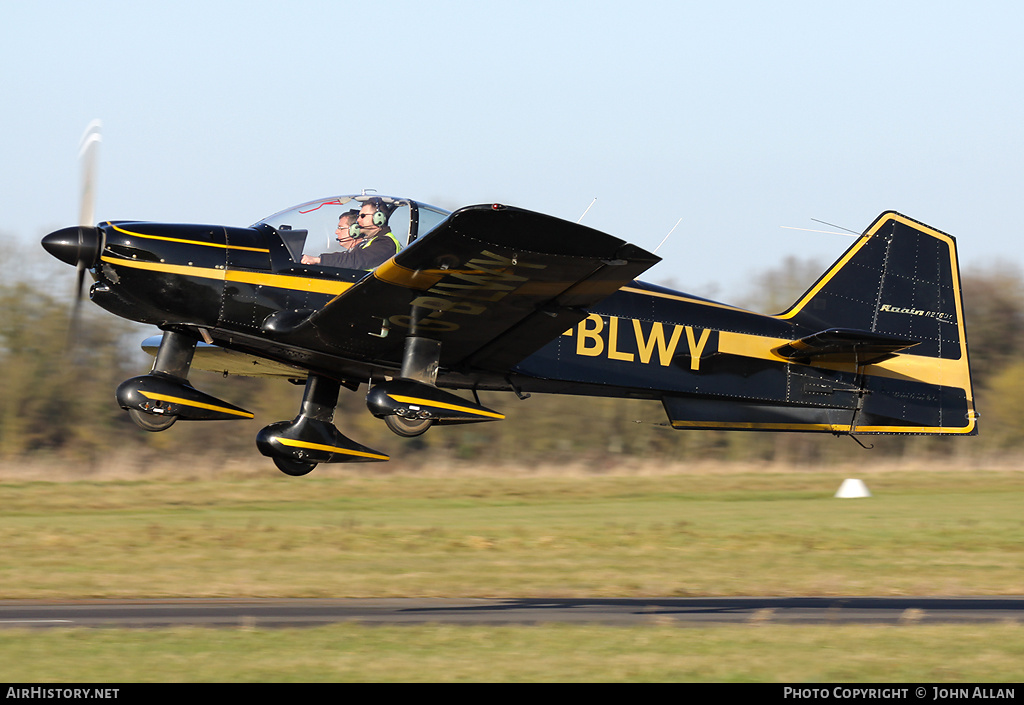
737,117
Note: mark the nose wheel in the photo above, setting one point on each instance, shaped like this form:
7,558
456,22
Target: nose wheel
295,468
299,445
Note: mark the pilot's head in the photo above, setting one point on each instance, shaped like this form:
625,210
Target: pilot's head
343,233
373,217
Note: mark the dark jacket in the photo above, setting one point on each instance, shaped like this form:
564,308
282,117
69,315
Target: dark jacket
368,253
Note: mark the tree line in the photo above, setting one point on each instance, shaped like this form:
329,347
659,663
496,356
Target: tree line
57,395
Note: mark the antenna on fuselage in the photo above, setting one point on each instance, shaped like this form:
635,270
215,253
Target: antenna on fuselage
587,211
667,236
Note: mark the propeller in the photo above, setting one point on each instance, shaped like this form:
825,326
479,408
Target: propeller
80,245
88,234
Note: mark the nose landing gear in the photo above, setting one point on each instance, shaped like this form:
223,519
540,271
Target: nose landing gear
299,445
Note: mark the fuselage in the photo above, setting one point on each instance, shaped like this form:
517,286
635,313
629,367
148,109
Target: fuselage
836,358
643,341
492,297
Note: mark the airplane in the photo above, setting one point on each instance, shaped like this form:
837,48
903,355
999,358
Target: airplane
493,297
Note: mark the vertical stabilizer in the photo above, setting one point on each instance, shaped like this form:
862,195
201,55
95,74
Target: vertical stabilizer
901,279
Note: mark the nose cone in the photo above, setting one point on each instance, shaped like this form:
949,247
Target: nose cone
74,245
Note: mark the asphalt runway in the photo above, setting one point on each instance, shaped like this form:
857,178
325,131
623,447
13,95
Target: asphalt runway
698,611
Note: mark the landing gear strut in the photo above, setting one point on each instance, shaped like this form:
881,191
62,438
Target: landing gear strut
299,445
420,361
155,401
411,403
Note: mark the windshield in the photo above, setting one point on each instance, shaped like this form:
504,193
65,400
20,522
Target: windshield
407,219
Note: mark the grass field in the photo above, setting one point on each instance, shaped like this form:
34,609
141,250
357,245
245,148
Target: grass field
558,653
465,532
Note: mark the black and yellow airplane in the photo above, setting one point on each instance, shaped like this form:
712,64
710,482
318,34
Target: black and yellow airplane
492,297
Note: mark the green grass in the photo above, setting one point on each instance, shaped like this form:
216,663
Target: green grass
920,534
338,534
564,653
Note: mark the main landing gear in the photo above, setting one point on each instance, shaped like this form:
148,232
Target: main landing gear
411,403
156,400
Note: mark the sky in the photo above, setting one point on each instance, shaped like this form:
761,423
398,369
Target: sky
732,122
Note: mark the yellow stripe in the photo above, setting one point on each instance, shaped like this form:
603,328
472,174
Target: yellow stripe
393,273
442,405
187,242
196,404
749,426
930,370
832,428
813,291
283,281
958,430
330,449
684,299
279,281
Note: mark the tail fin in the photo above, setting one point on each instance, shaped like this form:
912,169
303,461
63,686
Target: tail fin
899,278
899,282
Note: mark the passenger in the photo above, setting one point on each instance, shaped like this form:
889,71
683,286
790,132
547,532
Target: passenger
373,243
343,234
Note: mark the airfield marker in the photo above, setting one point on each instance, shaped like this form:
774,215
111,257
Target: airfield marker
851,489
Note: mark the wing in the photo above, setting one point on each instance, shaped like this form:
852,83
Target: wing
492,284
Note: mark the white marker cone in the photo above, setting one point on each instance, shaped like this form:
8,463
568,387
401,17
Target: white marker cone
852,488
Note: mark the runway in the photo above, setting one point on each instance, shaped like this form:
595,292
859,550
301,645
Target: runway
697,611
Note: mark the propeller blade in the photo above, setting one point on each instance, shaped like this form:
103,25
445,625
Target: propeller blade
74,323
80,267
87,154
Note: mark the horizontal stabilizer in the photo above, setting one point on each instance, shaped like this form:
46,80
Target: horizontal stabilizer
861,347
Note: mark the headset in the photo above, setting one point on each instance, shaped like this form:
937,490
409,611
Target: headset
380,219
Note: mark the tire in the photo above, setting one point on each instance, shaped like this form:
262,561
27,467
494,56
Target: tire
408,428
295,468
151,422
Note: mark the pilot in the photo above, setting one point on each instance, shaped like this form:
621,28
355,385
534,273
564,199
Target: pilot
370,241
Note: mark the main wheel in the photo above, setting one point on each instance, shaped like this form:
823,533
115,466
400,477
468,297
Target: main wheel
295,468
151,422
408,428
